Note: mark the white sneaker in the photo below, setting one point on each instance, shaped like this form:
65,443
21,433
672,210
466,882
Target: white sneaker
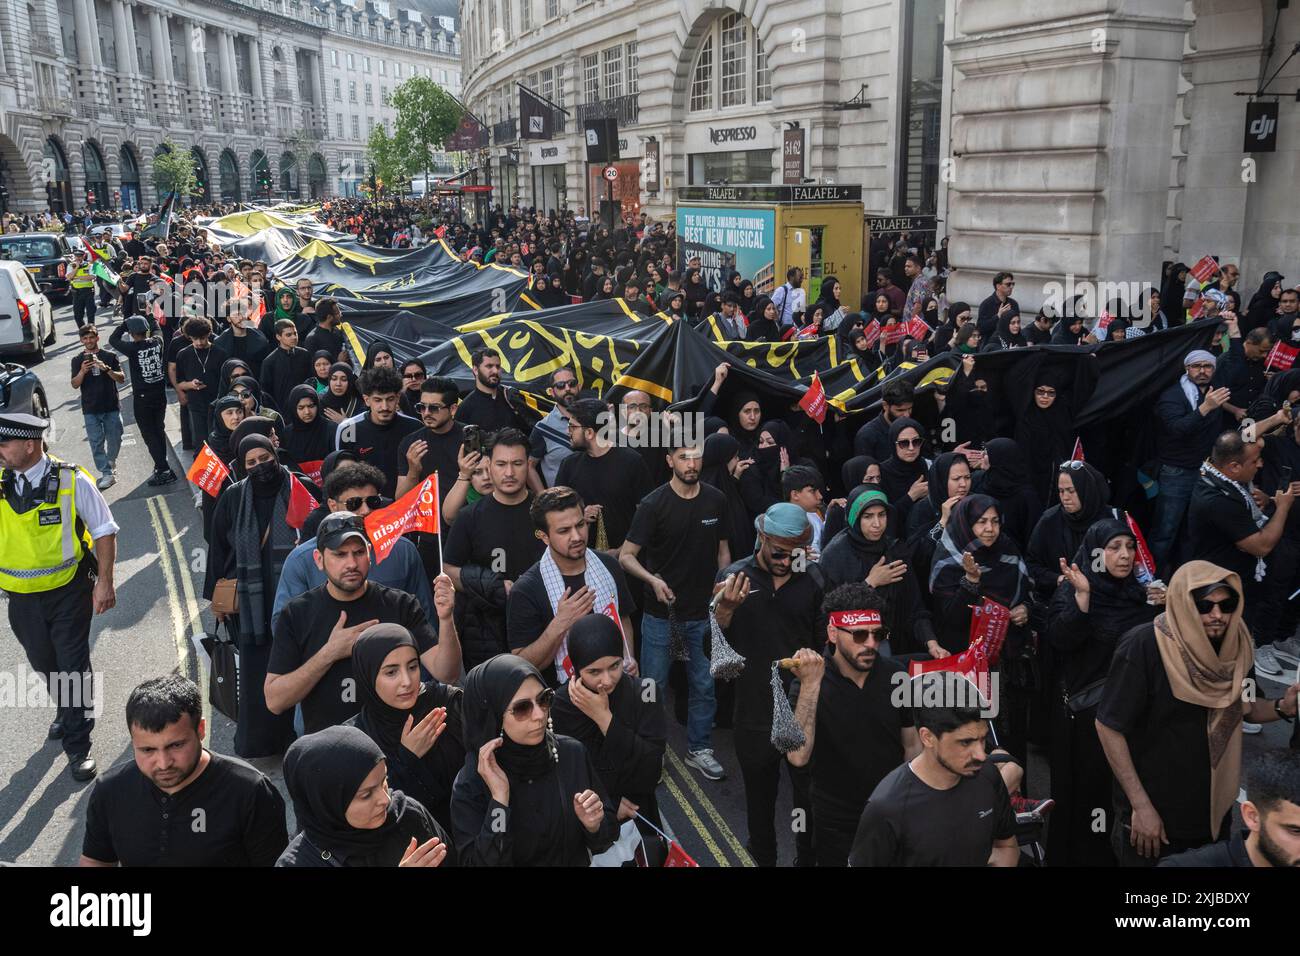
1248,728
1287,652
106,481
703,761
1266,661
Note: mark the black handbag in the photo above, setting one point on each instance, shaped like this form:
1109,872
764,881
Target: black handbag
223,674
1085,698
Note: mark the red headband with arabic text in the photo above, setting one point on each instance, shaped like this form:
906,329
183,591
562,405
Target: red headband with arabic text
852,620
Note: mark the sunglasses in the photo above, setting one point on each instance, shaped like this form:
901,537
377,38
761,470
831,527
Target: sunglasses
1045,392
413,375
1072,465
1227,605
572,383
242,393
434,407
523,709
878,634
909,443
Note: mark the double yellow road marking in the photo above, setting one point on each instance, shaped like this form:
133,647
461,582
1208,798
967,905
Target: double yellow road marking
181,597
721,833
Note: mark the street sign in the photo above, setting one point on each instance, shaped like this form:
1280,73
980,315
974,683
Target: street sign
610,173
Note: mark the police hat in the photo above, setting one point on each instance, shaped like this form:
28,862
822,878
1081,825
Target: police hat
22,426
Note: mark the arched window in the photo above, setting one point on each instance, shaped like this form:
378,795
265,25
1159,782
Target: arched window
288,174
229,172
202,190
316,176
130,177
731,68
58,184
96,177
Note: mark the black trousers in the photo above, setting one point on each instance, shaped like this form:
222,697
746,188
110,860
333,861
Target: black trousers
187,437
760,768
198,416
83,307
151,416
258,732
1126,855
833,835
53,628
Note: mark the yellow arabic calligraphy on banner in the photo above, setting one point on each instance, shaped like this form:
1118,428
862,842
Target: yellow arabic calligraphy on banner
530,352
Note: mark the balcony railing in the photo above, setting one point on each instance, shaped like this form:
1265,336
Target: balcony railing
626,109
507,131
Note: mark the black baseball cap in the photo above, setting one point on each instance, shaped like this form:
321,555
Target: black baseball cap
337,527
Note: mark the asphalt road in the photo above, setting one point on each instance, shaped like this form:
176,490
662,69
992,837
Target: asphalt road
150,632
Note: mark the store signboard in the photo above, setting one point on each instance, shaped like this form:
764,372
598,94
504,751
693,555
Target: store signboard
726,239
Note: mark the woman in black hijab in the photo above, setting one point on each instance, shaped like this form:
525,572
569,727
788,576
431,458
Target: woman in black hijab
829,300
349,817
1069,331
903,474
376,349
696,291
1263,304
603,707
232,369
746,418
309,436
673,303
1045,429
1090,611
760,483
1006,478
250,540
858,470
320,377
525,796
1007,336
342,399
227,412
970,404
949,477
763,318
414,372
417,725
551,294
1084,500
246,389
866,551
1172,292
719,468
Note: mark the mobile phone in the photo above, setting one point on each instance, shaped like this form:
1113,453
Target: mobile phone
473,440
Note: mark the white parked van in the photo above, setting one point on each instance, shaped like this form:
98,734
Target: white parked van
26,316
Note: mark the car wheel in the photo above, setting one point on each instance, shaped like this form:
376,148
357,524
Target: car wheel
39,407
49,339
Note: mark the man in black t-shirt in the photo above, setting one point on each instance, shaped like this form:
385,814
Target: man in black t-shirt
144,351
486,406
326,335
563,586
854,734
490,544
677,543
97,374
376,435
434,447
198,375
948,806
611,479
177,803
311,654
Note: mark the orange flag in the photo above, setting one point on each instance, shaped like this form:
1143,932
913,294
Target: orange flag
208,471
417,510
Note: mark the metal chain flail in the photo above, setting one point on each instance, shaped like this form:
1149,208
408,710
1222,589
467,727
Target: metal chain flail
677,649
725,663
602,536
787,735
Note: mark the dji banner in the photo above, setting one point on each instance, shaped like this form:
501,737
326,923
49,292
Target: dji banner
1261,127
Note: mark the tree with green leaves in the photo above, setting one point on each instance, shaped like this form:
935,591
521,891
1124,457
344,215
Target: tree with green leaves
388,163
173,171
427,115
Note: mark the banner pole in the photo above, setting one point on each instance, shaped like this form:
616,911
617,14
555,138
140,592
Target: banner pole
437,500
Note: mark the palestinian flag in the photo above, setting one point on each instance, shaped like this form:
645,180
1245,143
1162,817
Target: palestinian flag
162,227
100,268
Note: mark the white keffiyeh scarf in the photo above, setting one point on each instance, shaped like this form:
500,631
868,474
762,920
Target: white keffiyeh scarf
597,577
1256,514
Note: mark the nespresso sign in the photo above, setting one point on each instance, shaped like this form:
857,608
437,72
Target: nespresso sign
733,134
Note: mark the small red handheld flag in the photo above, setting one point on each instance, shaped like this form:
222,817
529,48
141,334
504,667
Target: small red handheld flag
208,471
678,857
1145,567
1205,269
301,503
1078,450
311,469
1281,357
814,400
917,328
417,510
872,331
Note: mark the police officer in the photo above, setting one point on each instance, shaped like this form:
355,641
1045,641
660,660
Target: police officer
83,289
58,542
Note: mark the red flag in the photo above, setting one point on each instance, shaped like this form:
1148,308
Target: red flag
1145,570
311,469
872,331
417,510
1103,323
1078,450
208,471
301,503
1205,269
814,400
894,332
1281,357
678,857
440,231
988,624
1197,309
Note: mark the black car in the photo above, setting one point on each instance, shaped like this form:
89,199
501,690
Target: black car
47,257
21,391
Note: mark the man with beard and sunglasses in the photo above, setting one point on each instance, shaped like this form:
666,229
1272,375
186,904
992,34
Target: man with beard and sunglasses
948,806
142,813
311,652
768,605
1171,714
1271,813
486,406
549,444
848,717
435,446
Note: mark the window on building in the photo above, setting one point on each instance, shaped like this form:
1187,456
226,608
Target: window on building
922,95
492,24
552,9
613,62
338,118
397,68
383,96
591,78
383,67
365,64
356,128
734,60
352,91
530,81
762,74
334,57
442,77
370,94
507,27
744,166
702,78
525,15
548,84
370,124
633,80
338,91
559,84
351,62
